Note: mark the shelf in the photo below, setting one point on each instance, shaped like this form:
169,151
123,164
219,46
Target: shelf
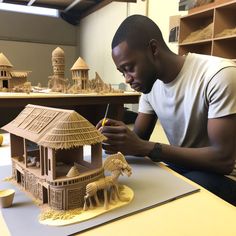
223,18
225,37
202,48
196,42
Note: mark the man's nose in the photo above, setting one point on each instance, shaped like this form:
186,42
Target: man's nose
128,78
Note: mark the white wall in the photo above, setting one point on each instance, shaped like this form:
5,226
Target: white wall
28,40
160,11
96,32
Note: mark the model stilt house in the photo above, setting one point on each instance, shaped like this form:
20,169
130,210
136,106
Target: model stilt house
48,154
58,82
80,74
10,78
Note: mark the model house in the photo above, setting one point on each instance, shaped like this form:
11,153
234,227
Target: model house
80,74
48,155
10,78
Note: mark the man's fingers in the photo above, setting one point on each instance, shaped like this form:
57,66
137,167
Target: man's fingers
111,148
111,122
113,130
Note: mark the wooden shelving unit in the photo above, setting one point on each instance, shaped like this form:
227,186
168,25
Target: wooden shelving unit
223,17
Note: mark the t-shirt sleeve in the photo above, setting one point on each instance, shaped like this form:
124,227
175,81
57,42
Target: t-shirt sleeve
144,105
221,93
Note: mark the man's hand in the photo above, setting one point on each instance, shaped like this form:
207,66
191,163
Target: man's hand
121,138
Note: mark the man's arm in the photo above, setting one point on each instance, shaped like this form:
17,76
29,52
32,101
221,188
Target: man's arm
219,157
144,125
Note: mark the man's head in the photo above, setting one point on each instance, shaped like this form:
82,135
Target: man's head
135,48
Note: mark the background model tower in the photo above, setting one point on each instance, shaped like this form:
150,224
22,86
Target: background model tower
57,81
80,74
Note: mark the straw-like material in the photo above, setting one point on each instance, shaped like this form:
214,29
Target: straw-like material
4,61
227,32
54,128
201,34
72,131
73,172
80,65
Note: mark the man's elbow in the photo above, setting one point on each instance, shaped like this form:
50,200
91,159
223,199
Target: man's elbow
227,166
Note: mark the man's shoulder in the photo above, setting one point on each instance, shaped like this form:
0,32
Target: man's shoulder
209,65
216,62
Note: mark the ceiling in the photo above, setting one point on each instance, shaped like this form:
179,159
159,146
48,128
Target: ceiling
70,10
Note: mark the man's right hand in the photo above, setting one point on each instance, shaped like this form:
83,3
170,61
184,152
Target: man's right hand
121,139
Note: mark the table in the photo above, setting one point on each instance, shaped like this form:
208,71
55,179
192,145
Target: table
201,213
91,106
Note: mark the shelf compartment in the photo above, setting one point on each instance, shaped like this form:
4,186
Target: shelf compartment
225,18
194,22
203,47
225,47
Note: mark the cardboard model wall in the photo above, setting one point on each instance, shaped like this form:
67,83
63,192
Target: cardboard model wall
47,151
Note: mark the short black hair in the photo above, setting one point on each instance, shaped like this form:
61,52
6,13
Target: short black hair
137,31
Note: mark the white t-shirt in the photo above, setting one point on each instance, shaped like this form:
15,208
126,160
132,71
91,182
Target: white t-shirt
205,88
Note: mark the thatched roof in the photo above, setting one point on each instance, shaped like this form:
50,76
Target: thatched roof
80,65
4,61
19,74
54,128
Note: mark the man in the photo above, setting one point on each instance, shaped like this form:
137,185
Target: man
193,96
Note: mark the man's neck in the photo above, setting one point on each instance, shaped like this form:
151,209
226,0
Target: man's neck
173,66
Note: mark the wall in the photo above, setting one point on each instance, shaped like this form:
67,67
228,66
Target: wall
28,40
160,11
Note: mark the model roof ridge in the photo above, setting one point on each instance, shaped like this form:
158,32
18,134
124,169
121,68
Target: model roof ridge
4,61
80,64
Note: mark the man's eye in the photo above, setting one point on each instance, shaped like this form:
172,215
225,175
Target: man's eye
128,68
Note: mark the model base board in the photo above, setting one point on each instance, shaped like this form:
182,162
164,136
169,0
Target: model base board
61,218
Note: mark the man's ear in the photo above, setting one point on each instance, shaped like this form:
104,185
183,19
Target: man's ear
154,47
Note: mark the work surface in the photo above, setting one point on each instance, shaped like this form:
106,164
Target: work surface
200,213
92,106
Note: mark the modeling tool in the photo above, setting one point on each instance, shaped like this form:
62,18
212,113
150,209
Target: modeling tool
105,117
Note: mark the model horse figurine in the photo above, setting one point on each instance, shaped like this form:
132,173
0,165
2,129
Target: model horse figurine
117,165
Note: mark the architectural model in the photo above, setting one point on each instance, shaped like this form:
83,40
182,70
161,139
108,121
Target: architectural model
57,82
48,151
12,80
16,81
82,83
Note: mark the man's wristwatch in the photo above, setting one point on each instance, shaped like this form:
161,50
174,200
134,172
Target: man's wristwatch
156,152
